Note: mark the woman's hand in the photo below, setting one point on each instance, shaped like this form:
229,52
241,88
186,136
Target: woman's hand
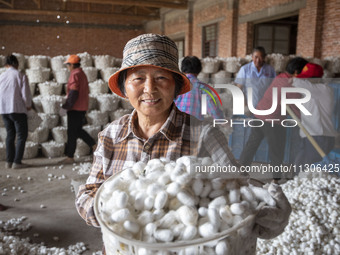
270,220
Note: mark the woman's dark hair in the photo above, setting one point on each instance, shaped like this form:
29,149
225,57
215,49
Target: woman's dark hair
296,64
191,64
76,65
12,60
177,77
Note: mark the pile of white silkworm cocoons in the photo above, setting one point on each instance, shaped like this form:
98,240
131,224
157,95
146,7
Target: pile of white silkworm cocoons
314,225
167,201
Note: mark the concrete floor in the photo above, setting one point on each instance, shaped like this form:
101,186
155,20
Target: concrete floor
59,218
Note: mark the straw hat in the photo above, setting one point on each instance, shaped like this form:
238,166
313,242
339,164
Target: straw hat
150,50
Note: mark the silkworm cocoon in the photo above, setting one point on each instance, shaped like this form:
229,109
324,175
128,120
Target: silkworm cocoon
131,226
218,183
184,160
115,184
168,219
150,228
170,167
141,184
164,235
234,196
178,170
177,229
183,179
164,179
263,195
138,168
160,200
120,215
189,233
128,175
164,160
139,201
237,208
197,186
222,247
214,217
145,217
206,189
207,161
155,163
226,215
203,211
174,204
154,189
154,175
207,229
157,214
148,203
216,193
189,251
187,215
247,194
121,199
218,202
186,198
173,188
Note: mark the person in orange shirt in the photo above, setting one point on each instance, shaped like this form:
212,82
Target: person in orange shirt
76,105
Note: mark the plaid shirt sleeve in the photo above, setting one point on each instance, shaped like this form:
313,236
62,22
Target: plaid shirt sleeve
87,192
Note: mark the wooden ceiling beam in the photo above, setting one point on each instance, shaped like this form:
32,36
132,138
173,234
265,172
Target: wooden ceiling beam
151,3
38,3
80,14
9,4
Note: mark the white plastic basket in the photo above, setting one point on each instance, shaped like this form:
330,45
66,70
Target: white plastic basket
37,61
237,236
98,87
107,102
59,134
51,104
49,88
39,135
37,103
49,120
61,75
52,149
97,118
103,61
91,73
38,75
2,151
85,59
57,62
3,134
92,131
82,149
31,150
107,72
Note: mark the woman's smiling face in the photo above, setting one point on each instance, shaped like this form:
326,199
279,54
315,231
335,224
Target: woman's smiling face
150,90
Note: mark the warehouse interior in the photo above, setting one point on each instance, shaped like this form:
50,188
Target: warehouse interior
37,205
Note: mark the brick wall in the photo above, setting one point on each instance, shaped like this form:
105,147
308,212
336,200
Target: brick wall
331,29
48,35
52,41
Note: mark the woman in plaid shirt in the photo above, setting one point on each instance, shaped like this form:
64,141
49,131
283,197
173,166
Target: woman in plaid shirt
150,79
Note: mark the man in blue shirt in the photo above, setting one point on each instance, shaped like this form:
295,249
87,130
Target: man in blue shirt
256,75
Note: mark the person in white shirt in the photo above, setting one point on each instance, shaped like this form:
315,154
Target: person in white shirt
319,124
15,100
